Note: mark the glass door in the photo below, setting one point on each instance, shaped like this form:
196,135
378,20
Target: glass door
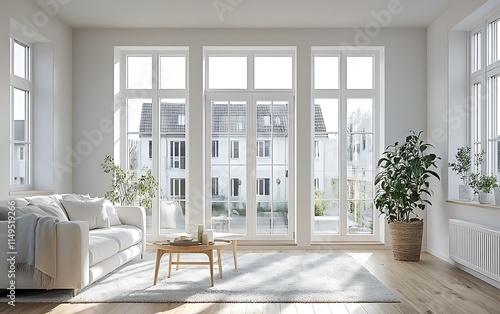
249,145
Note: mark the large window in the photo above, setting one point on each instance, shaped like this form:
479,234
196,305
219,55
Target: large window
346,105
250,130
21,104
152,96
484,89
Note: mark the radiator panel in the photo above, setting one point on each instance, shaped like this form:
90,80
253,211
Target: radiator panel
476,247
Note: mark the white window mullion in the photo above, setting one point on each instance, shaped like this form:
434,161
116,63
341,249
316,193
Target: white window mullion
251,160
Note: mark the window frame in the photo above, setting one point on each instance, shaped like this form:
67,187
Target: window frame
26,85
156,95
343,94
484,102
235,149
263,186
264,147
215,148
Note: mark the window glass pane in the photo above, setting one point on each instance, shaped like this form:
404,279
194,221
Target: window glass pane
273,72
496,40
172,72
20,164
359,115
326,166
227,72
139,123
477,113
172,165
21,99
229,166
326,115
476,52
21,60
139,72
139,115
326,72
359,73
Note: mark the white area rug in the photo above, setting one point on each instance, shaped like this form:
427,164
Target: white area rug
261,277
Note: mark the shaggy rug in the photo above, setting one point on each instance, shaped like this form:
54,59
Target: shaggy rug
261,277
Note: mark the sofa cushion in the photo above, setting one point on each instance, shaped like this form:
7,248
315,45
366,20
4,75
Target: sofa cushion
114,220
101,248
124,235
52,210
49,200
92,211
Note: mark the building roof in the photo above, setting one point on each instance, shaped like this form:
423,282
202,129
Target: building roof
226,118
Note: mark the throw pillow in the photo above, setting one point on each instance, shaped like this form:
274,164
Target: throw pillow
30,209
55,211
51,200
77,197
92,211
114,220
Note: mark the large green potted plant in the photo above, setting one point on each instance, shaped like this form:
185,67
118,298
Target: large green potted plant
462,166
402,187
126,188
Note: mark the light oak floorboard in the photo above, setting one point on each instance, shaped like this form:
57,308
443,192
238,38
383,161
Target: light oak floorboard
428,286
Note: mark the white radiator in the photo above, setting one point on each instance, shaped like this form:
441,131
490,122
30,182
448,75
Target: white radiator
476,247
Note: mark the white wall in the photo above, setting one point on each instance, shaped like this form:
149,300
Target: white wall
446,130
405,107
58,39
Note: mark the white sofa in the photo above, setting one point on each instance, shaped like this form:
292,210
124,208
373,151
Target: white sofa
83,255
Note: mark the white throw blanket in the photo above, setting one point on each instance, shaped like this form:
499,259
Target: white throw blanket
36,247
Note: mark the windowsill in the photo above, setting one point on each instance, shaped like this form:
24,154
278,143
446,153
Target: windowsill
474,204
29,192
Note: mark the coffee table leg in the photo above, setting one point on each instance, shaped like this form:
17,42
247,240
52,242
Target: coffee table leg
159,254
234,255
211,263
169,264
220,264
178,260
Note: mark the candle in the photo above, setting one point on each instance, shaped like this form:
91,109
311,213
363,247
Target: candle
200,233
205,238
210,235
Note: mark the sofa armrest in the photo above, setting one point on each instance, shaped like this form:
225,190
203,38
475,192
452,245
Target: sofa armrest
134,216
72,257
73,253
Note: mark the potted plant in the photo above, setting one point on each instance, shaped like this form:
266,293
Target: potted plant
402,186
126,188
485,185
462,167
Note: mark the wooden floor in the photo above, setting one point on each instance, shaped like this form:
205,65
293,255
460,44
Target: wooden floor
429,286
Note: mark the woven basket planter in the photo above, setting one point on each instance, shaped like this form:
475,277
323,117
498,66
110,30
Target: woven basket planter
406,238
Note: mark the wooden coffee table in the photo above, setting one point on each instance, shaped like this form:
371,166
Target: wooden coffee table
163,248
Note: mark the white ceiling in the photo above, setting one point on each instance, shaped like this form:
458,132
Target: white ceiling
247,13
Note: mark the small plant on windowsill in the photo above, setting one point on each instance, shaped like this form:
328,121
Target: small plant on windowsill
462,167
475,176
126,189
485,185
